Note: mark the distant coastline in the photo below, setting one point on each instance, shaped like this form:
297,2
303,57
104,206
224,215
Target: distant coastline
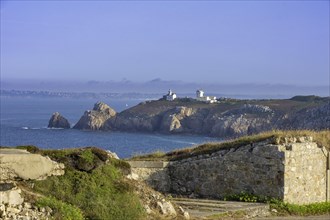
122,95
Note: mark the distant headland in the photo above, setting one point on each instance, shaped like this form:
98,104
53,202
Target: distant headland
211,116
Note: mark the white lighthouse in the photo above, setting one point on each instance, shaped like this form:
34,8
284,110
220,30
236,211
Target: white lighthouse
199,93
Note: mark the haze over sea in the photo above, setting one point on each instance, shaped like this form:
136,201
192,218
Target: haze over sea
24,122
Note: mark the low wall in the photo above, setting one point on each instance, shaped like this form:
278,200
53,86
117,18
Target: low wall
255,169
294,172
154,173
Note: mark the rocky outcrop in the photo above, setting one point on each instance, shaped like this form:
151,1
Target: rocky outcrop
24,211
227,118
58,121
16,167
96,118
10,194
317,117
171,121
20,164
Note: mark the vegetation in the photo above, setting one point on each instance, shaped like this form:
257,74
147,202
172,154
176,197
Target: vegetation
61,210
278,105
308,98
283,208
93,186
322,138
246,197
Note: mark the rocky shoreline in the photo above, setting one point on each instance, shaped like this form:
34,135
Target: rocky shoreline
227,118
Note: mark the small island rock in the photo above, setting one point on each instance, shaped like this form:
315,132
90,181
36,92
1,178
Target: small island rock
58,121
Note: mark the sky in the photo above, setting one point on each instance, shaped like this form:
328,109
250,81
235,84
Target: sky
266,42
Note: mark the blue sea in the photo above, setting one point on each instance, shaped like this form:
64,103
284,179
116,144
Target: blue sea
23,121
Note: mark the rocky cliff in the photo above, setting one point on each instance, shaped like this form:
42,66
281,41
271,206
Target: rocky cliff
58,121
95,119
228,118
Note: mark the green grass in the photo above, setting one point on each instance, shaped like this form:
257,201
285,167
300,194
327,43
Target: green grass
322,138
283,208
100,192
61,210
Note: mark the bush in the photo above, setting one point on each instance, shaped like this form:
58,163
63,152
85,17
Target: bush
247,197
29,148
101,193
61,209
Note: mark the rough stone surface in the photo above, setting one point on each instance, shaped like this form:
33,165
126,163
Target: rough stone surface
155,173
166,208
112,155
305,173
21,164
96,118
155,204
11,212
294,171
11,196
220,120
58,121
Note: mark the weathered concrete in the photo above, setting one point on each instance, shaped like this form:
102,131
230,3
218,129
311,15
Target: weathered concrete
294,171
15,163
203,208
155,173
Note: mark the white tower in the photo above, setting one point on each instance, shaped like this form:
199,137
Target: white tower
199,93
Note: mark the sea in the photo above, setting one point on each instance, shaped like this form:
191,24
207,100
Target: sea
24,120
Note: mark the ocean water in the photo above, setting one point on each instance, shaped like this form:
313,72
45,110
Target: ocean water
23,121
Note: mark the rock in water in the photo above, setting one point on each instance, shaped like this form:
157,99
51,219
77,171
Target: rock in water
95,119
58,121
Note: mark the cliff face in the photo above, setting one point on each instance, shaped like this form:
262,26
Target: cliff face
95,119
229,118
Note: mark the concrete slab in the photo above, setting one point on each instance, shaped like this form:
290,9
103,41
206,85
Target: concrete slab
203,208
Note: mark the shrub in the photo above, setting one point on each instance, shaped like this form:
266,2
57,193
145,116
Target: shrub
61,209
247,197
101,193
29,148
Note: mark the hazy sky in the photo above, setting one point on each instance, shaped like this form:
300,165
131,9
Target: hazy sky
194,41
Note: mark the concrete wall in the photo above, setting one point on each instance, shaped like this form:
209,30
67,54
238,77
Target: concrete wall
294,171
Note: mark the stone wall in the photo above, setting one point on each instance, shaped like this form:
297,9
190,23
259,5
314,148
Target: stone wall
305,173
256,169
294,171
154,173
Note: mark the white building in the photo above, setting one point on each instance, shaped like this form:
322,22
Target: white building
200,97
170,96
